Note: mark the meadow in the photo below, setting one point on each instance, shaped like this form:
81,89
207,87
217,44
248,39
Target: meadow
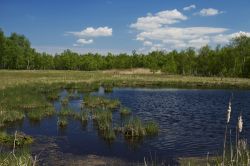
130,77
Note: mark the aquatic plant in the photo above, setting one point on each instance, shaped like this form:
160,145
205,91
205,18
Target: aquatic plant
67,112
240,154
52,96
100,102
39,114
20,139
20,158
81,116
65,101
125,111
9,116
151,128
108,134
108,89
62,122
74,96
134,128
103,119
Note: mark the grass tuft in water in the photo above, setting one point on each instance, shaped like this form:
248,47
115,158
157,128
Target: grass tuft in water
20,139
103,119
20,158
151,128
39,114
65,101
82,116
100,102
134,128
62,122
9,116
125,111
52,96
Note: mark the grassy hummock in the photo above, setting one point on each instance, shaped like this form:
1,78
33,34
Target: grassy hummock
39,114
134,128
65,101
100,102
21,139
125,111
62,122
151,128
20,158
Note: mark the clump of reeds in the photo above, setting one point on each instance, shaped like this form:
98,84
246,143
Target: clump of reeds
125,111
18,156
62,122
67,112
74,96
65,101
20,139
103,119
39,114
240,154
82,116
52,96
9,116
108,134
100,102
108,89
151,128
134,128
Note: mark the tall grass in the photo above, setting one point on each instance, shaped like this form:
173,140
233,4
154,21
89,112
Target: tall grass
19,139
100,102
18,157
125,111
239,154
40,113
62,122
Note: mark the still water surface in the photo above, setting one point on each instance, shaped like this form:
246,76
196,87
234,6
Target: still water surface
192,123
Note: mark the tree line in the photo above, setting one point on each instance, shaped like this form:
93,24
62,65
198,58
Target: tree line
231,60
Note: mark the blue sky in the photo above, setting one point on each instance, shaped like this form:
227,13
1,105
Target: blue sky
121,26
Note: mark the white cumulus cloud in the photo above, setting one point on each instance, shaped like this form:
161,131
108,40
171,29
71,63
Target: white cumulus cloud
189,7
83,42
157,32
92,32
209,12
86,35
158,20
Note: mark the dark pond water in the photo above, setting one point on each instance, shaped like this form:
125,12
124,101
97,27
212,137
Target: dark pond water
192,123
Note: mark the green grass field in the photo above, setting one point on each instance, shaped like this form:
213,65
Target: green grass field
118,78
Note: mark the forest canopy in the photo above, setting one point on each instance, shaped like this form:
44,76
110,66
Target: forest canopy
231,60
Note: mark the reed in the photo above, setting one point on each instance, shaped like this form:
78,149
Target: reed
20,158
20,139
10,116
151,128
240,154
39,114
125,111
74,96
134,128
52,96
100,102
82,116
67,112
62,122
65,101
